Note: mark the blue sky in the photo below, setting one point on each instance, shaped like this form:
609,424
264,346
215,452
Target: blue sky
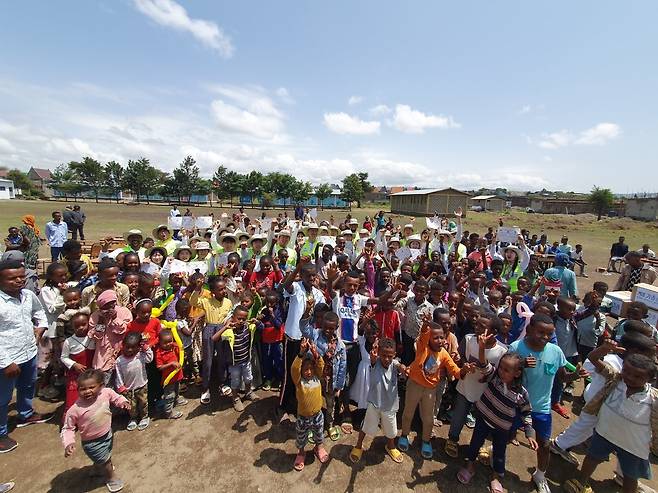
465,94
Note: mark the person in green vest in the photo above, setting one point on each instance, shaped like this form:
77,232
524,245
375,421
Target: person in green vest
310,245
162,235
282,243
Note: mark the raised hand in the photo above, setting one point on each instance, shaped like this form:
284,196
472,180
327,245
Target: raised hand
459,212
530,362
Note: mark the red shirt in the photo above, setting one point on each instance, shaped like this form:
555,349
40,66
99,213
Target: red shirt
163,357
259,279
388,323
149,330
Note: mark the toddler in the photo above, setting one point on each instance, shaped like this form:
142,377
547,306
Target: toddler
131,379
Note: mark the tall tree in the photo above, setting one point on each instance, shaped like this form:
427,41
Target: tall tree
234,185
114,173
65,182
204,187
22,182
352,190
187,178
366,186
140,177
602,200
91,175
253,185
285,187
220,184
323,192
302,191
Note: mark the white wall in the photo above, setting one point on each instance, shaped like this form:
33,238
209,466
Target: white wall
7,190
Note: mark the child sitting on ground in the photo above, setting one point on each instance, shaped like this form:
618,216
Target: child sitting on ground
91,416
167,359
306,373
131,379
503,399
627,424
383,400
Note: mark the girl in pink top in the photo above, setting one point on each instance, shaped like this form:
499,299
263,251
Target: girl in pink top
107,326
91,416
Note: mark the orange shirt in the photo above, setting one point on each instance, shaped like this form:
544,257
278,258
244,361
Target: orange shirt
426,368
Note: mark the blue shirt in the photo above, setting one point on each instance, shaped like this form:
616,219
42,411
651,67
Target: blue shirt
56,234
538,381
568,278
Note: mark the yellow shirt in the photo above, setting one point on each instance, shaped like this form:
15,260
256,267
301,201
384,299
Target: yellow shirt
309,392
216,311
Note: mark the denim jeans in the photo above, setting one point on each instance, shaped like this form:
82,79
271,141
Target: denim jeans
272,361
241,373
24,384
55,253
499,440
460,409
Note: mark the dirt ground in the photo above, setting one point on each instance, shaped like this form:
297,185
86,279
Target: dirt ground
212,447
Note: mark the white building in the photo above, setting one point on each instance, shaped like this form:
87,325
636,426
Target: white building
7,189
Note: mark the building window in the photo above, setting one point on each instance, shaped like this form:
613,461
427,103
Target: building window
2,189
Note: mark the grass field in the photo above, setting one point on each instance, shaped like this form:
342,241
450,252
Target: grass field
595,236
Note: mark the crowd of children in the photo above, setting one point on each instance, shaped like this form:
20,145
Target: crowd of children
354,329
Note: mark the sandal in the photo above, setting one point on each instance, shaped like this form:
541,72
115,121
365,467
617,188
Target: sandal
299,461
395,454
114,485
496,487
403,443
321,454
452,449
485,455
575,486
464,476
426,450
334,433
355,454
347,428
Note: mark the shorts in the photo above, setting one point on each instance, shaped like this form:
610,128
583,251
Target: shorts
375,417
543,425
99,450
631,465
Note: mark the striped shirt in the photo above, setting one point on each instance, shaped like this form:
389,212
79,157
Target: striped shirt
499,404
241,346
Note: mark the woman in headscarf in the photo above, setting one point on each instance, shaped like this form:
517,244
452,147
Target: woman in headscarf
31,241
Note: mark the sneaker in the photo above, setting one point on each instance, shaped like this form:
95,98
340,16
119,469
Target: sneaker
205,397
8,486
541,484
276,386
144,423
568,390
561,410
226,390
181,401
238,405
267,385
250,396
470,421
132,426
7,444
565,454
174,415
34,419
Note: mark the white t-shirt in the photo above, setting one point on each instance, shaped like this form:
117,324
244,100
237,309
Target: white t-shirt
297,306
597,383
348,309
470,386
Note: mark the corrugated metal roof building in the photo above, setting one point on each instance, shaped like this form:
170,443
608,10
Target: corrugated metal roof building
489,202
427,202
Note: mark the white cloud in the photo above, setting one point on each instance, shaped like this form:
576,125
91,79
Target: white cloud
412,121
555,140
525,109
354,100
599,134
342,123
380,110
168,13
284,95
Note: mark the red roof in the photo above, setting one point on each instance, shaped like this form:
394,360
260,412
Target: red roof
44,174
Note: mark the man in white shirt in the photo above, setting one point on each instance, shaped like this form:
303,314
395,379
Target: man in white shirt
646,252
57,233
22,322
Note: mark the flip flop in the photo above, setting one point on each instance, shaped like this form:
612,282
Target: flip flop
334,433
114,485
347,428
299,461
355,454
496,487
403,443
464,476
452,449
426,450
321,454
395,455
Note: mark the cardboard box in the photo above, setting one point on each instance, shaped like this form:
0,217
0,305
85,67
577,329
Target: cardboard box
652,319
647,294
619,301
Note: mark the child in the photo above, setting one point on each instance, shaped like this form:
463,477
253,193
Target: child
543,362
470,388
636,311
424,376
413,308
503,335
566,332
187,328
77,355
368,333
503,399
383,400
306,373
626,409
239,335
144,324
63,327
272,341
131,379
91,416
167,360
591,324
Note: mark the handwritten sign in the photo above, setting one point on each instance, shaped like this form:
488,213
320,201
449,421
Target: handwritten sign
178,267
204,222
188,222
507,234
433,222
175,222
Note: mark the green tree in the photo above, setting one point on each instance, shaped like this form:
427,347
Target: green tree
91,175
186,176
323,192
253,185
352,190
301,191
114,173
602,200
204,187
140,178
22,182
366,186
65,182
234,185
285,185
220,184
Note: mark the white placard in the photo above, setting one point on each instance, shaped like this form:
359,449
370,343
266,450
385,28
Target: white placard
150,268
204,222
178,267
175,222
507,234
201,265
266,224
188,222
313,213
403,253
415,253
327,240
433,222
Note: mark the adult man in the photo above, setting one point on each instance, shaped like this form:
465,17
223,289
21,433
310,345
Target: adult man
67,217
78,222
56,233
646,252
133,238
22,322
634,272
617,253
